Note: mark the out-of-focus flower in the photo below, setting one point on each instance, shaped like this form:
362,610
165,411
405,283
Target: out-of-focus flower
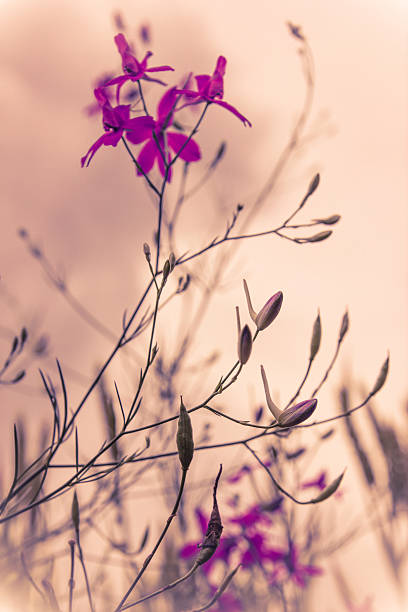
94,108
211,89
290,567
133,69
319,483
144,33
245,469
253,516
155,147
116,121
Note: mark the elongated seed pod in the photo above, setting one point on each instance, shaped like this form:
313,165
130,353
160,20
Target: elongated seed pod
185,442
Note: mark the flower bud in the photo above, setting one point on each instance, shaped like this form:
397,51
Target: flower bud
75,512
381,377
318,237
316,337
244,344
344,326
270,311
329,490
297,414
166,271
172,261
314,184
184,439
146,251
328,220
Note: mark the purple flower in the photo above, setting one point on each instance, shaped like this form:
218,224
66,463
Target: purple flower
290,567
133,69
251,518
245,469
116,121
257,550
154,149
320,482
211,87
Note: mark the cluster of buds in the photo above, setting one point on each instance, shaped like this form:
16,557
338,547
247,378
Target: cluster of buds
290,416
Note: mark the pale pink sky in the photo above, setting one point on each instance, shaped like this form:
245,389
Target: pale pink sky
94,221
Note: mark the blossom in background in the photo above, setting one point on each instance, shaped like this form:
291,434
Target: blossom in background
116,121
246,469
251,517
211,89
100,82
250,543
289,567
225,548
155,147
133,69
320,482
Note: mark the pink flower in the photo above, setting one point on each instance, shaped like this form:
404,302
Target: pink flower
133,69
116,120
154,149
211,87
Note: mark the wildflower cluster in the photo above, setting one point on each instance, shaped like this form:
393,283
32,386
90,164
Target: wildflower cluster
256,537
161,145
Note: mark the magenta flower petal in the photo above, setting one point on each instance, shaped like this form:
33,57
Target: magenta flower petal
166,104
147,156
117,116
162,167
159,69
202,520
139,129
234,111
202,81
101,96
122,44
189,550
191,151
111,138
216,84
85,160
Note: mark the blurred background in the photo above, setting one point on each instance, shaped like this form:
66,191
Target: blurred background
91,223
